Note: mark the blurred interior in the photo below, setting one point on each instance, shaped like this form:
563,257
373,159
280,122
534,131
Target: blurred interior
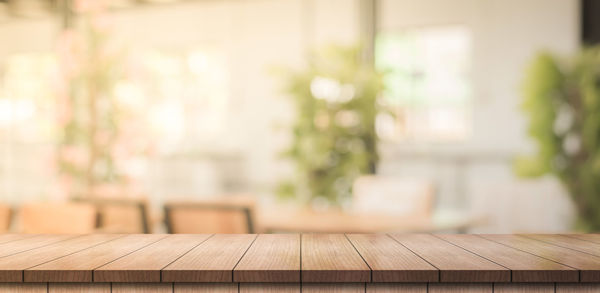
173,116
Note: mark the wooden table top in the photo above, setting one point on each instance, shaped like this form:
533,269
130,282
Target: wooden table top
306,258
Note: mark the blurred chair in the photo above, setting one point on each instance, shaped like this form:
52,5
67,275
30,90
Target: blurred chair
59,218
393,196
218,215
121,215
5,218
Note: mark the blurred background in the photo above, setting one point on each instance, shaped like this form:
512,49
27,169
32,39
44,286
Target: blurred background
236,116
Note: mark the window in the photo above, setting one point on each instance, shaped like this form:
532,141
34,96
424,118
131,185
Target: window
427,84
182,95
168,102
27,128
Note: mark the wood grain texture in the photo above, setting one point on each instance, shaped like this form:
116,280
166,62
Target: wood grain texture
577,288
144,265
4,238
270,287
390,261
588,265
142,288
11,267
523,288
461,288
29,243
324,258
334,288
211,261
23,288
272,258
396,288
205,288
568,242
332,258
524,266
79,288
587,237
455,264
78,267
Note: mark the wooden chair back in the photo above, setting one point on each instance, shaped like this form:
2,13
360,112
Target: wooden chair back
121,215
210,216
5,218
393,196
57,218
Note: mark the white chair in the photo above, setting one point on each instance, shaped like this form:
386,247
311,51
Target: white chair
395,196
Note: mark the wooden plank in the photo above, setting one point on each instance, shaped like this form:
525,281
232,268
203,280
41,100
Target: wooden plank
269,287
525,267
587,237
390,261
272,258
78,267
205,288
11,267
588,265
333,288
455,264
396,288
568,242
142,288
461,288
577,288
523,288
23,288
332,258
4,238
29,243
79,288
144,265
211,261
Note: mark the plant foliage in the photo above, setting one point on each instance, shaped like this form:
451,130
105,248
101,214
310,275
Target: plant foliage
90,122
562,101
334,138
